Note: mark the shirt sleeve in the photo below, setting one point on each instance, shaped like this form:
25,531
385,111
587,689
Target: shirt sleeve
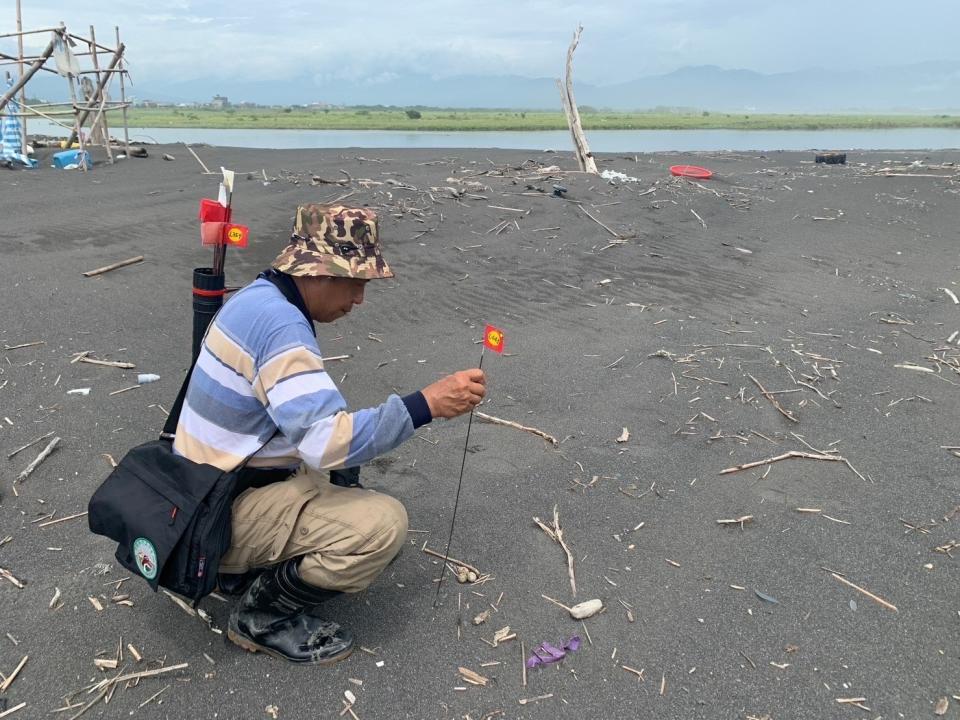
305,404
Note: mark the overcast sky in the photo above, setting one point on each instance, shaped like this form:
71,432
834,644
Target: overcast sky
370,40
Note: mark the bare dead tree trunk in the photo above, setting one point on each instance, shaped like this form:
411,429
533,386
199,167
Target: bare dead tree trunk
581,148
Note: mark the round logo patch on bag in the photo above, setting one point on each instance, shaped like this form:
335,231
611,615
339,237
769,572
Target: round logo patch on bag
145,555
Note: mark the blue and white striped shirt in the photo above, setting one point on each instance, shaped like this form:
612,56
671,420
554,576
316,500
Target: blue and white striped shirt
259,370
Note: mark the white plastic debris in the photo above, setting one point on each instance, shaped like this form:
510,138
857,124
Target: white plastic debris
144,378
79,391
618,176
351,698
586,609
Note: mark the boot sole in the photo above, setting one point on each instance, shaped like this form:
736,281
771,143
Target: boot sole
250,646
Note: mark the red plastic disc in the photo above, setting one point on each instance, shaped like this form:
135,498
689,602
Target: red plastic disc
691,171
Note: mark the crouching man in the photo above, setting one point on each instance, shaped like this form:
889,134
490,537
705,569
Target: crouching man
304,530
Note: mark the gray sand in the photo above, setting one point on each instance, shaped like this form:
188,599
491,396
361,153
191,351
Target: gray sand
656,334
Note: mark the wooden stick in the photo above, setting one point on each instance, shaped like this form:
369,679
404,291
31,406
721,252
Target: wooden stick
787,455
555,533
508,423
13,676
24,345
63,519
875,598
4,573
51,446
106,363
29,444
555,602
12,710
206,170
523,662
618,236
773,400
114,266
449,559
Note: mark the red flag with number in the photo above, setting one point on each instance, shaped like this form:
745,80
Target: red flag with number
494,339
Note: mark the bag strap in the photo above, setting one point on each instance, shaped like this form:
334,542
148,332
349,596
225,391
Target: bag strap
286,286
170,426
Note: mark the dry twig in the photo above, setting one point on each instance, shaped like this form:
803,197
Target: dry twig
875,598
508,423
555,533
51,446
773,400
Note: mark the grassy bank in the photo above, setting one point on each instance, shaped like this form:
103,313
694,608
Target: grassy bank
398,119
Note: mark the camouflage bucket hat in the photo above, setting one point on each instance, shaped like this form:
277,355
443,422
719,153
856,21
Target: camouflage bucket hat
335,241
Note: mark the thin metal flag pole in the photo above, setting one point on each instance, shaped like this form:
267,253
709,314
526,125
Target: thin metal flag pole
453,520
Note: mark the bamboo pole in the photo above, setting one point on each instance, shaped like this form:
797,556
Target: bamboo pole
30,32
25,77
123,99
23,92
14,60
101,116
77,128
31,111
91,42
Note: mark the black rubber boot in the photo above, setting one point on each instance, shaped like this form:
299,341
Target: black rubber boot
231,584
276,616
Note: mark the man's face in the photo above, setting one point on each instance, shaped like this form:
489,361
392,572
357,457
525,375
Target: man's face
329,298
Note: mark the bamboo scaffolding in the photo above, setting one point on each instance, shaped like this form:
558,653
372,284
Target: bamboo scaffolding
96,106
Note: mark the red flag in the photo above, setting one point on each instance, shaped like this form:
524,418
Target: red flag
236,235
494,339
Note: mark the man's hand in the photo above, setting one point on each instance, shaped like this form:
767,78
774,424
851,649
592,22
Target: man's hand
456,394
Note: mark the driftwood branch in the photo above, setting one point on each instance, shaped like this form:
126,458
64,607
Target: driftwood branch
581,148
555,533
114,266
793,454
51,446
509,423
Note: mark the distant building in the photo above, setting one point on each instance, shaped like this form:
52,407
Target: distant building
219,102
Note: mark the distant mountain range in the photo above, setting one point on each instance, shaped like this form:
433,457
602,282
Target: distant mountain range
927,87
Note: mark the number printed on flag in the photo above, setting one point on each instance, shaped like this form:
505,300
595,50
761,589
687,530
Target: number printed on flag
494,339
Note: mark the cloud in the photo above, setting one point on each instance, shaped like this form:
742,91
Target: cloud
369,41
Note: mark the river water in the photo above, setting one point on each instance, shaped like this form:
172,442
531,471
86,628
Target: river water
610,141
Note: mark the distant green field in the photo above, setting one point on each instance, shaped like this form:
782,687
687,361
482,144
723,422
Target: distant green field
433,119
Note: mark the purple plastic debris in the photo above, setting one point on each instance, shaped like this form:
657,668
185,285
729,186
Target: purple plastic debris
546,653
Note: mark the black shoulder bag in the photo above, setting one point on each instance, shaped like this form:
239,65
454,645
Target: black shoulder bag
171,517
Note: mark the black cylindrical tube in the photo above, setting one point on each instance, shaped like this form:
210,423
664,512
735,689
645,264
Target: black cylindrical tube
207,298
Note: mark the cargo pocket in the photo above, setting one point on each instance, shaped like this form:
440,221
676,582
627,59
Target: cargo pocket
263,521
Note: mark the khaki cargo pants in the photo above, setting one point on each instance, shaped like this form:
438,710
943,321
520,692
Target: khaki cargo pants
346,536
